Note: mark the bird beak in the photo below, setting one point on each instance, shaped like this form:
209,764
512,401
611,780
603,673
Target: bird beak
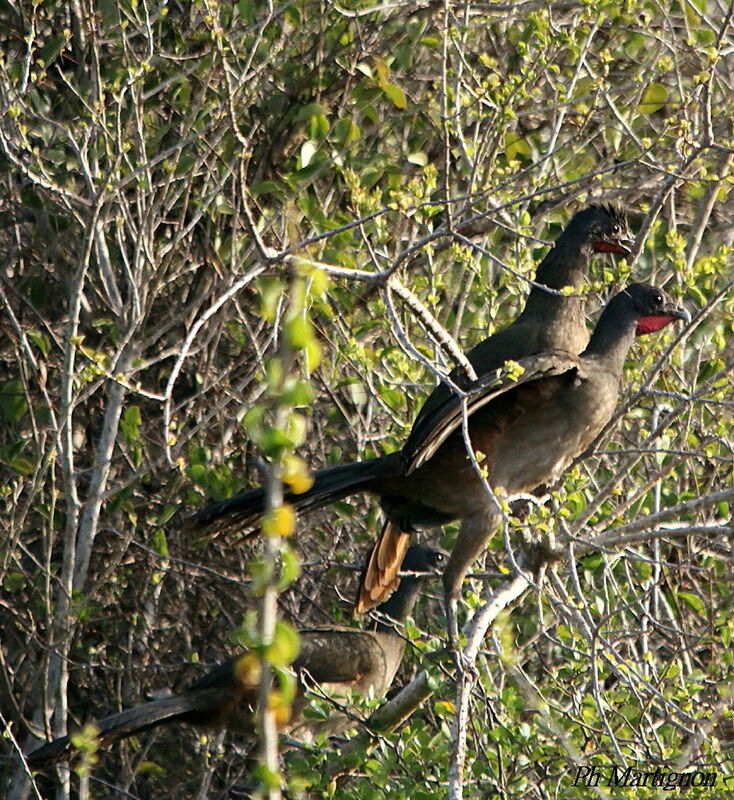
678,312
621,244
626,242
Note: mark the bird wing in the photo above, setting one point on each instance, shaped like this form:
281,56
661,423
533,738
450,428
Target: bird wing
447,417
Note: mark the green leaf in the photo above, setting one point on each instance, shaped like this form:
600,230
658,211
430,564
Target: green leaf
644,570
247,10
40,340
52,47
290,567
284,647
694,601
311,110
150,768
298,331
318,127
198,473
160,545
393,398
252,421
266,187
130,424
516,146
14,582
395,94
298,394
725,635
690,7
271,291
369,112
346,131
381,69
222,205
184,164
21,465
273,440
13,405
198,455
306,174
653,98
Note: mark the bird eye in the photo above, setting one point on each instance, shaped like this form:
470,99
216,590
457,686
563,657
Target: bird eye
615,229
658,300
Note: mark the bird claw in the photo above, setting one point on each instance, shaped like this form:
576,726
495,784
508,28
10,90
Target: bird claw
466,668
452,625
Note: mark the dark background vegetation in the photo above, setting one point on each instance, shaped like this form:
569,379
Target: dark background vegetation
195,195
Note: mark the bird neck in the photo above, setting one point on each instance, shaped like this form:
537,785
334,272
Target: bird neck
613,334
399,607
565,264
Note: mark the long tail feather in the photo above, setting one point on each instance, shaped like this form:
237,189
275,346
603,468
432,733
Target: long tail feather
380,577
243,511
117,726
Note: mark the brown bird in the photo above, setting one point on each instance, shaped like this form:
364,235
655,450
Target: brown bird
525,425
527,429
338,661
551,320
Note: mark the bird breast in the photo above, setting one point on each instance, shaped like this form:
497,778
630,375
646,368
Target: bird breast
552,429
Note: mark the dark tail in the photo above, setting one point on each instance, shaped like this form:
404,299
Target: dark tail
118,726
243,511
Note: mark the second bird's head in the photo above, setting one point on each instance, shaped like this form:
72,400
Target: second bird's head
653,308
423,558
604,227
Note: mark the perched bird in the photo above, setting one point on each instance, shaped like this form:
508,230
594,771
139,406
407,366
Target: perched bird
338,661
525,426
551,320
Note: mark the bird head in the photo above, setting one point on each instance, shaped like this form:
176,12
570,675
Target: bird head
655,308
422,558
604,227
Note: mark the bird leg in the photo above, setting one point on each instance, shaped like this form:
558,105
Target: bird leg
452,625
472,539
464,666
539,550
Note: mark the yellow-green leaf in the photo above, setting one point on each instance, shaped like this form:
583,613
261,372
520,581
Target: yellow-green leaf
421,159
516,146
395,94
296,474
694,601
653,98
284,647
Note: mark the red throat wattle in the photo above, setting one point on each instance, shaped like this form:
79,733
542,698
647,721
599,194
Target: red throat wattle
610,247
652,323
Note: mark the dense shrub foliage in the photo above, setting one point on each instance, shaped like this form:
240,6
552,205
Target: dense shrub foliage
222,226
